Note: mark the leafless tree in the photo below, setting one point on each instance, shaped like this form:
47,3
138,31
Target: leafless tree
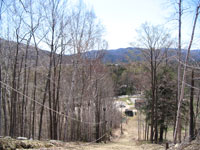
185,69
153,40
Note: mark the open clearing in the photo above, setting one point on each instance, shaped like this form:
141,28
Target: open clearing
128,141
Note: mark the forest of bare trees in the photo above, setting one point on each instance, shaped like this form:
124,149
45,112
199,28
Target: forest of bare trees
51,88
45,95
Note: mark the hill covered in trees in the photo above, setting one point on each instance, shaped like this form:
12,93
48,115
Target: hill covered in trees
110,56
130,54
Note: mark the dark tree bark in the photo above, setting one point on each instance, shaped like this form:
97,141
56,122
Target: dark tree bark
153,96
34,90
97,112
191,132
0,103
26,129
47,86
18,98
24,88
14,93
162,128
4,97
156,103
42,109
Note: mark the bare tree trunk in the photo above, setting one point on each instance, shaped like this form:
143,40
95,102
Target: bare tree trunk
184,75
97,113
56,105
19,107
191,108
162,127
49,78
33,104
71,96
156,104
26,105
34,92
197,111
42,109
0,103
145,135
24,88
179,64
47,89
147,132
5,110
153,98
139,125
59,121
14,94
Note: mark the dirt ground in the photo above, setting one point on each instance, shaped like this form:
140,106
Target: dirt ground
128,141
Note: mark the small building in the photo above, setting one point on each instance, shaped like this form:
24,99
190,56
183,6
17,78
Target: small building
139,103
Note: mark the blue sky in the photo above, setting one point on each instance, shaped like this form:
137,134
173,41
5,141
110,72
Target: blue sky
122,17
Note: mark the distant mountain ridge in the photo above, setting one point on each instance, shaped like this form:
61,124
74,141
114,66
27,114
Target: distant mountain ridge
112,56
129,54
124,55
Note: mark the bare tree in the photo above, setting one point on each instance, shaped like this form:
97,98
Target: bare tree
185,70
0,103
53,11
179,57
152,40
